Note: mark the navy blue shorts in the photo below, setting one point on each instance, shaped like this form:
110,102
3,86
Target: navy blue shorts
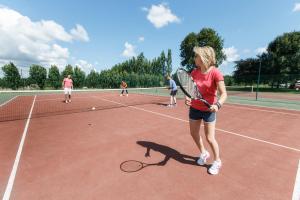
173,92
205,115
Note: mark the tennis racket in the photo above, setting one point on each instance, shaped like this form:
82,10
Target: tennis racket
189,87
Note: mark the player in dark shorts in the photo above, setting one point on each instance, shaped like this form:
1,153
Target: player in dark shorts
124,88
173,88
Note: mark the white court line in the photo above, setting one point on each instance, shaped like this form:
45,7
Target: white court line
8,101
296,193
232,133
262,110
62,99
17,159
73,97
279,108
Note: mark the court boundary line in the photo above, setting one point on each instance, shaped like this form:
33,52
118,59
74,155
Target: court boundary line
275,108
296,193
62,99
222,130
13,173
271,111
6,102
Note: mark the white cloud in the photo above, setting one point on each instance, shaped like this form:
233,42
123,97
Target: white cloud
231,55
129,50
141,39
84,65
261,50
161,15
27,42
80,33
296,7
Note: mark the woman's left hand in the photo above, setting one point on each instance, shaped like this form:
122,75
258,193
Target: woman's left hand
214,108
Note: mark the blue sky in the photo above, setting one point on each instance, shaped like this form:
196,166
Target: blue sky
100,34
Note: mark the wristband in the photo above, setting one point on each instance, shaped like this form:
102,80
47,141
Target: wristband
218,105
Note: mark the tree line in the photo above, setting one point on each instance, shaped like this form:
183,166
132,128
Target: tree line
137,72
280,64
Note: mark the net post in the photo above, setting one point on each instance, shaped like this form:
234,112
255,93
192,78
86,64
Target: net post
258,79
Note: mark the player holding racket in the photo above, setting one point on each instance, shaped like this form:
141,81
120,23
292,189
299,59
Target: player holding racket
173,88
209,80
124,88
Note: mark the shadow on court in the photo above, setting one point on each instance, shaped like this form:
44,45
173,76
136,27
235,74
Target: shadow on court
162,104
169,153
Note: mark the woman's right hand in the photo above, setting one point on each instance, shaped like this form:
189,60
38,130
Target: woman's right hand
188,101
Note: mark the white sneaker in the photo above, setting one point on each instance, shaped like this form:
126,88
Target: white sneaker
214,169
202,158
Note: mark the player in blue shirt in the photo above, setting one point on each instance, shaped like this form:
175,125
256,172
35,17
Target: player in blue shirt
173,88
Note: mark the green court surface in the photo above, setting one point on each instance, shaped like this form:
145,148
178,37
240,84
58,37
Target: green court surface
266,102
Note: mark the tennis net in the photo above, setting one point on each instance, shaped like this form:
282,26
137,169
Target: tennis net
16,105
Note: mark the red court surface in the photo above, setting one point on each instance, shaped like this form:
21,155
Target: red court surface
78,155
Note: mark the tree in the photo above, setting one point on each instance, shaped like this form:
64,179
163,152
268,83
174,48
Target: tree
156,66
67,71
284,55
92,80
54,77
2,83
38,75
169,62
140,63
186,50
280,64
12,78
246,71
228,80
104,79
137,71
78,77
206,37
162,60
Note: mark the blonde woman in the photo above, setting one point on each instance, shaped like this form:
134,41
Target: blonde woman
209,80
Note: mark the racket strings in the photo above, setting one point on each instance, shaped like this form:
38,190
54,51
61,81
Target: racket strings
189,87
188,84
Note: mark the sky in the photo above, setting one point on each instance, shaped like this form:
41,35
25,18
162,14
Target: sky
99,34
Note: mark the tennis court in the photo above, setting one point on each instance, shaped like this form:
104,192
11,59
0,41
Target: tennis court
53,150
